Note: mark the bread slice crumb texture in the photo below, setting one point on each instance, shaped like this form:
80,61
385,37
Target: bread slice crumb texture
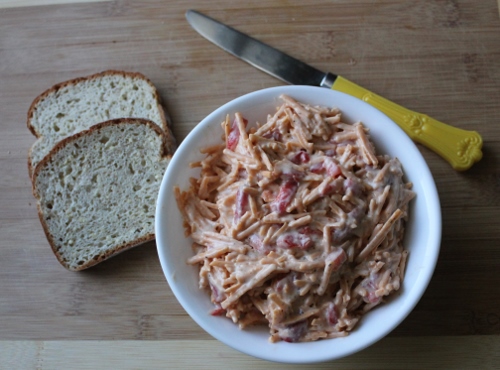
96,191
76,105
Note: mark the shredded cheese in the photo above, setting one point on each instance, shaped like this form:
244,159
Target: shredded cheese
297,223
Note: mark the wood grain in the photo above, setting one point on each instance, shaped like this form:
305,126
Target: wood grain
437,57
478,352
25,3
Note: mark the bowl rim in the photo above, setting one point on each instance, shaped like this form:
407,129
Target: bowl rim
419,287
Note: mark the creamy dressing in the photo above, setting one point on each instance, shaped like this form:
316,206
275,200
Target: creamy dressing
297,223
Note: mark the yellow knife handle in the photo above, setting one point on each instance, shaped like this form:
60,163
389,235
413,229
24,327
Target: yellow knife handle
461,148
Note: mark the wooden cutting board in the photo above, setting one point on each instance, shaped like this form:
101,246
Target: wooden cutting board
440,57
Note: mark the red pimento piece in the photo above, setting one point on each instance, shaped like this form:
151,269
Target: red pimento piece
371,287
372,297
241,204
257,243
291,173
234,135
332,169
300,157
331,314
316,167
307,230
217,311
284,282
294,240
329,166
274,134
217,297
242,173
336,258
293,333
330,152
287,191
327,190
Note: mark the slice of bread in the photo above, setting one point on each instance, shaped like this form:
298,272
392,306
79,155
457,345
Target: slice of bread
96,190
75,105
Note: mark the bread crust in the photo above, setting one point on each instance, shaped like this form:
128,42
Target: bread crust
59,146
170,142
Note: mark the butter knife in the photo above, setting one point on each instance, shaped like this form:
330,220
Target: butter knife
461,148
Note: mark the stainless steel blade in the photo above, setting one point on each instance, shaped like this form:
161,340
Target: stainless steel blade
258,54
436,135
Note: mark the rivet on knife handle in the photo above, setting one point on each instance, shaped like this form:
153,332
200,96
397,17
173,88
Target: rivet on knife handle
461,148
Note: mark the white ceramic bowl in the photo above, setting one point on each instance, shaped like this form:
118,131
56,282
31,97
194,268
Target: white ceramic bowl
423,235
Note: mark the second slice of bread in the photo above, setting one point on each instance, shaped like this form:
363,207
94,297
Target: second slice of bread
75,105
96,190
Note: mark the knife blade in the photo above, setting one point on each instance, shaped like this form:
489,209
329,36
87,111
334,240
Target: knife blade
461,148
